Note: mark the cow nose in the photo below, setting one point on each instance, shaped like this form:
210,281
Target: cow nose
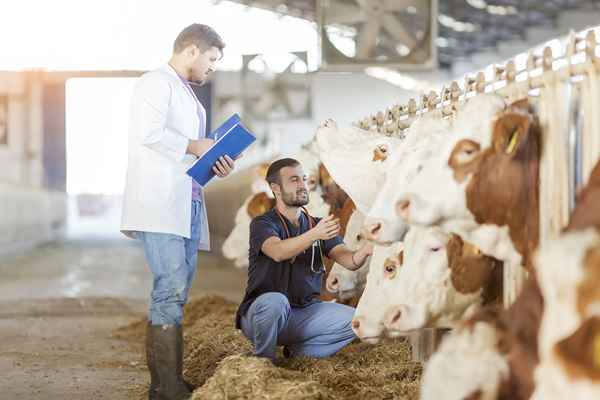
333,283
394,316
402,209
371,232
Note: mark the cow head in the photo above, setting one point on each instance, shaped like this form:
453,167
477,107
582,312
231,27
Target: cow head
356,159
382,225
346,284
441,277
488,179
370,312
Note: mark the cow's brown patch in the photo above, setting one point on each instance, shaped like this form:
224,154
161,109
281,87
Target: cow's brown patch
464,159
401,257
380,153
344,215
470,269
587,212
580,352
588,291
517,336
504,188
259,204
476,395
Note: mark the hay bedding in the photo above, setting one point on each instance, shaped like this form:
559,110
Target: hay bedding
214,362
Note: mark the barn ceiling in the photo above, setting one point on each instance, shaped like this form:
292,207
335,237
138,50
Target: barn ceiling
467,27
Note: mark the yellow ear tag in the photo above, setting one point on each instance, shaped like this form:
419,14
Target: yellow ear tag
513,142
596,350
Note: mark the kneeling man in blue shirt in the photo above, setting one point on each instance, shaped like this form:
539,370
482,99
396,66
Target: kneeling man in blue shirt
285,276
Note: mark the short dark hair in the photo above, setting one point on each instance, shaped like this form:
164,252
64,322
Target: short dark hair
200,35
273,173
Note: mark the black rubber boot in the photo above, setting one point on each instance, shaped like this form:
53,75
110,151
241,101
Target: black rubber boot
151,362
180,357
168,360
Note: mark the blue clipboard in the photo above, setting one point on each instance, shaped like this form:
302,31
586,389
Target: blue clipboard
231,138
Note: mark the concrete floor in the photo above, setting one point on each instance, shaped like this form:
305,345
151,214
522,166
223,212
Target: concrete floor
59,305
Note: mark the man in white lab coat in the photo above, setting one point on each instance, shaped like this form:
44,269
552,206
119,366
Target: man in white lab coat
162,206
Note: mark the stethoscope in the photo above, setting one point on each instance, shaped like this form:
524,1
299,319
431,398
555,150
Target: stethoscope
316,244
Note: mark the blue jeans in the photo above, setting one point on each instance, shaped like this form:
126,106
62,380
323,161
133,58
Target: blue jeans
317,330
173,261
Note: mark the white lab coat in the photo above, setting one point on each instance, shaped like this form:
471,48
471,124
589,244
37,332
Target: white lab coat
158,192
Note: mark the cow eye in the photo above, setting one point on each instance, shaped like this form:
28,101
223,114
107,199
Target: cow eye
436,249
390,269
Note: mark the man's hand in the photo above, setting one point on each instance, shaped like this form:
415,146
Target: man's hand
223,166
199,147
327,228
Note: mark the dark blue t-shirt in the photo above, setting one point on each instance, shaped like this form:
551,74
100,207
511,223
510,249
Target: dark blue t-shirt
297,281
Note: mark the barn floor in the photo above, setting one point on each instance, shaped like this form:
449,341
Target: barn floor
56,340
77,328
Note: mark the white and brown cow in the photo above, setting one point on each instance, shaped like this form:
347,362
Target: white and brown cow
236,245
484,183
356,160
423,138
491,355
343,283
553,328
569,274
430,280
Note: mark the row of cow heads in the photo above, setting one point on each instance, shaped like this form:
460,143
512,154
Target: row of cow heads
443,173
546,345
431,279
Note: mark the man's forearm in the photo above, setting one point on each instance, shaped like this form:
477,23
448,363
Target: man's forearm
289,248
349,259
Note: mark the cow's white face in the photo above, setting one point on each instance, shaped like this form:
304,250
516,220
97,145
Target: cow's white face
423,137
346,284
425,295
356,160
438,193
467,362
370,312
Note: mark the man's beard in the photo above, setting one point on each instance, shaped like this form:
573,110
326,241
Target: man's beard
195,79
292,199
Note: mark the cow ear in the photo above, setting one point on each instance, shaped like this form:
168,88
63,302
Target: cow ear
401,257
454,249
470,270
324,176
510,130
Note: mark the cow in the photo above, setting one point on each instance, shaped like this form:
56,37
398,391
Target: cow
236,245
348,285
431,282
490,355
356,159
569,276
425,135
552,328
486,182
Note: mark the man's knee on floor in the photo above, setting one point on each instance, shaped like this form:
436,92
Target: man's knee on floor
273,304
